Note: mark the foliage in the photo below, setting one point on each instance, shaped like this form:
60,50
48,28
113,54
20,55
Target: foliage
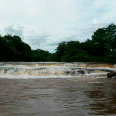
100,48
12,48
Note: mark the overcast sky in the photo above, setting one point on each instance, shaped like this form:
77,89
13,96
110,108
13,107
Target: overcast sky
45,23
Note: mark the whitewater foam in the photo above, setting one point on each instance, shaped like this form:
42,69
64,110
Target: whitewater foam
25,70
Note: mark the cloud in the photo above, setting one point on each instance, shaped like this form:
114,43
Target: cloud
53,44
65,20
14,30
37,40
95,21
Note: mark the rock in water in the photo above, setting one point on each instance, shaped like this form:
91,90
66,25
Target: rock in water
111,74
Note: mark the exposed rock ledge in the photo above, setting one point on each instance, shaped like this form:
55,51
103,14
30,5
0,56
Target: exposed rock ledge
111,74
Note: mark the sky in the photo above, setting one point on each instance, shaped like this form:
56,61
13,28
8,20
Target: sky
45,23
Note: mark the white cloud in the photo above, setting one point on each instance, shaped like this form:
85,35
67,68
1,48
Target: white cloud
37,40
100,3
95,21
14,30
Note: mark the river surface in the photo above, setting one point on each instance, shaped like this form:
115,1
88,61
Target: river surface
58,97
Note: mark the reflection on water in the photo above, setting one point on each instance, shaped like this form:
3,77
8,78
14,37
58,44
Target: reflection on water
58,97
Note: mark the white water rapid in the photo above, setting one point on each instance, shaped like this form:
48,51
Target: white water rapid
53,70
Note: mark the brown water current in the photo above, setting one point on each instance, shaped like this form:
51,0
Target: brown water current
58,97
57,89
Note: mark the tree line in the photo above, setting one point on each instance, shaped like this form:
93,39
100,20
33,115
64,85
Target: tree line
12,48
101,47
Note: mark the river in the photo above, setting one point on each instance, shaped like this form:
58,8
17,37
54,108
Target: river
72,96
58,97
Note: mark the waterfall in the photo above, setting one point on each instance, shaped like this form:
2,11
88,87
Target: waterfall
53,69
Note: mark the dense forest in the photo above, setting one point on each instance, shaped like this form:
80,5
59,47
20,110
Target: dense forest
12,48
101,47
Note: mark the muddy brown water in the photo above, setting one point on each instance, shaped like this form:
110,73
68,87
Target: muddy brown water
58,97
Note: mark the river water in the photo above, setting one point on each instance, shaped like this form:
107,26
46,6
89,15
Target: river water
57,89
58,97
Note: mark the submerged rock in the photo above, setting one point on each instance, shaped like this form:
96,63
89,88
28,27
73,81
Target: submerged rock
111,74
